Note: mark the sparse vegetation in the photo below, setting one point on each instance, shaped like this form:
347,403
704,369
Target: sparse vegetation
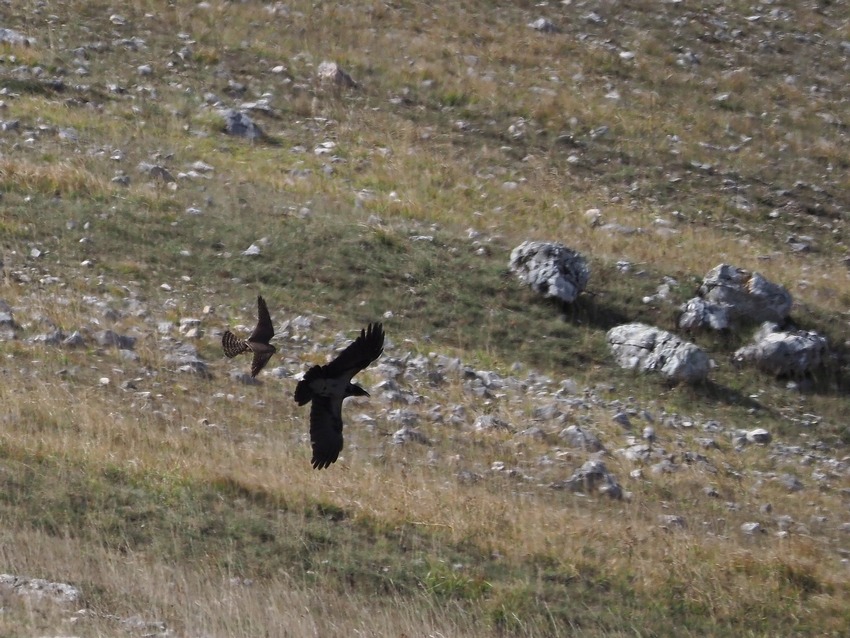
190,502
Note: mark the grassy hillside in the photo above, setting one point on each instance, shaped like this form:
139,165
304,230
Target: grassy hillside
183,504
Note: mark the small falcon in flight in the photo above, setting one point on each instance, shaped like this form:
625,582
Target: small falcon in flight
258,342
328,385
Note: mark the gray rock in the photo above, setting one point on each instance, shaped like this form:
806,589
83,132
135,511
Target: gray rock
546,412
784,522
664,466
671,521
252,251
74,340
468,477
108,338
746,295
614,228
635,453
489,422
622,419
551,269
190,327
8,327
791,482
407,434
52,338
331,72
699,314
641,347
10,36
185,357
40,588
592,477
758,435
240,125
156,171
784,352
533,432
544,26
148,628
578,437
239,376
751,528
404,417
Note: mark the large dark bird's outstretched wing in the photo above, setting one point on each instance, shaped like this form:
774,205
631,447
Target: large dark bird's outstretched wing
264,330
359,353
325,430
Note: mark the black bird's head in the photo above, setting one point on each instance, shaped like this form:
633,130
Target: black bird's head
354,390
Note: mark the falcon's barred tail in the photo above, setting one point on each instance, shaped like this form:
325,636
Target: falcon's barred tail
232,344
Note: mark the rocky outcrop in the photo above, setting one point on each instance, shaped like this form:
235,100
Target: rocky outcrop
551,269
699,313
728,294
641,347
780,352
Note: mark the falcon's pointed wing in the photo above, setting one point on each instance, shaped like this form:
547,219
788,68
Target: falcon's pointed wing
261,358
232,344
325,430
359,354
264,330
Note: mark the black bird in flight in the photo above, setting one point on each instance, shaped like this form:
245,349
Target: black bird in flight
328,385
258,342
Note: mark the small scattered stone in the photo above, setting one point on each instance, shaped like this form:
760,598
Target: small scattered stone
758,435
108,338
331,72
672,521
791,482
544,25
582,438
408,434
239,124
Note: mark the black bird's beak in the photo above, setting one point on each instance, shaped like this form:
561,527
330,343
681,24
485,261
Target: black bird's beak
355,390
